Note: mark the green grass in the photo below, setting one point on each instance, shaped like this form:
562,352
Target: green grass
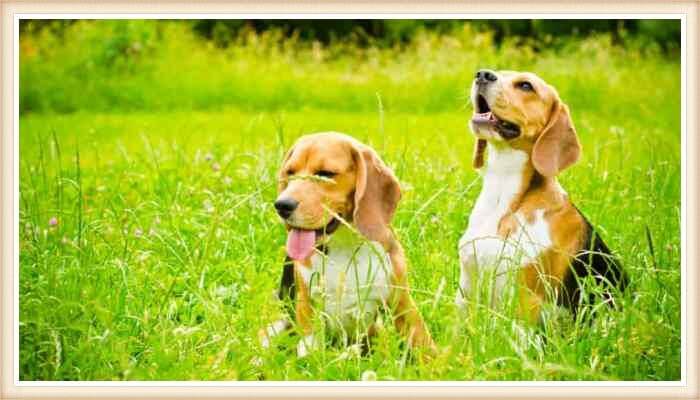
167,249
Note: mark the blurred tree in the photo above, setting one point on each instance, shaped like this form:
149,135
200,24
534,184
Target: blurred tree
663,33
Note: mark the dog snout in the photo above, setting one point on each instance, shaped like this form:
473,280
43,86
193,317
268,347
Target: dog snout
286,206
485,76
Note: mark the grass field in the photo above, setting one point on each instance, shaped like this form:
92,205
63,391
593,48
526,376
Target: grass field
150,249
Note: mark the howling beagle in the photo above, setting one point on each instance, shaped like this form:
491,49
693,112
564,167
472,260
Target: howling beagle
523,224
337,199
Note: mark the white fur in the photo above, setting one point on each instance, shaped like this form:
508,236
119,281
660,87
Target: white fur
481,249
273,330
306,345
350,283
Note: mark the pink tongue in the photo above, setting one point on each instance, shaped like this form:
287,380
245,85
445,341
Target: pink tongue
300,243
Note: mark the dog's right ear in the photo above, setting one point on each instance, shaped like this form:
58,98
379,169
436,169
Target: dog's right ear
478,158
377,193
282,173
557,147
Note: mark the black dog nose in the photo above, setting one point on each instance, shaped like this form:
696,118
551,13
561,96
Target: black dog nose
485,76
286,206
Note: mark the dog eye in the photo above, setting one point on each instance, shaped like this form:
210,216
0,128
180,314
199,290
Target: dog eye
290,172
526,86
326,174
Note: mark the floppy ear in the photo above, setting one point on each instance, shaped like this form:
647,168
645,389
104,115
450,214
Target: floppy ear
282,173
557,147
377,194
478,159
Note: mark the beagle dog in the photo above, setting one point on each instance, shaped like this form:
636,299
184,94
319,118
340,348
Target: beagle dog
523,224
337,199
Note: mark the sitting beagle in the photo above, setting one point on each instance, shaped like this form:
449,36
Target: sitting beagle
523,224
337,199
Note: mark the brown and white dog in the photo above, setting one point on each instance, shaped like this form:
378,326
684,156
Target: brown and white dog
337,199
523,224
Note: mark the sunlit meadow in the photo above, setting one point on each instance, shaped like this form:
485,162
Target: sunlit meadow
150,250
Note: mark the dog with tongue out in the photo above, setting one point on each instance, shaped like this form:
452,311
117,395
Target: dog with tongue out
344,263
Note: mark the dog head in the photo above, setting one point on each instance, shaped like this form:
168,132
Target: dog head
329,174
520,110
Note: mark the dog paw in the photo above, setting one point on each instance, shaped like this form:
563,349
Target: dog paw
305,346
271,331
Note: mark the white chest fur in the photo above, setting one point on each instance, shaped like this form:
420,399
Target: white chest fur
481,249
351,281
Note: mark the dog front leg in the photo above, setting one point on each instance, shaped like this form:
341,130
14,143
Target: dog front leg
304,312
410,323
406,316
531,292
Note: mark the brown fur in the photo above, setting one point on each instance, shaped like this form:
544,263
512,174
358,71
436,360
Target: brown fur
364,191
549,137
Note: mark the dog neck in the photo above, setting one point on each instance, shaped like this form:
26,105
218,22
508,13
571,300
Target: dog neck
507,175
343,238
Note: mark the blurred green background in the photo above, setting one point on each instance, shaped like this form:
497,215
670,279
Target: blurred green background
143,65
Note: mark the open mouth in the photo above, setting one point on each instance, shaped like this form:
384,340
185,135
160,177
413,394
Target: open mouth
301,242
484,116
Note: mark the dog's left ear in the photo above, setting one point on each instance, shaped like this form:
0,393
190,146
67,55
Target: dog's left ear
377,194
557,147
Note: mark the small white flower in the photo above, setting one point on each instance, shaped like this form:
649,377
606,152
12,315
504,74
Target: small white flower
208,206
257,361
369,375
138,232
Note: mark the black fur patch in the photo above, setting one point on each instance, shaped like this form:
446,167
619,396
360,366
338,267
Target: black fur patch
594,259
287,292
287,289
